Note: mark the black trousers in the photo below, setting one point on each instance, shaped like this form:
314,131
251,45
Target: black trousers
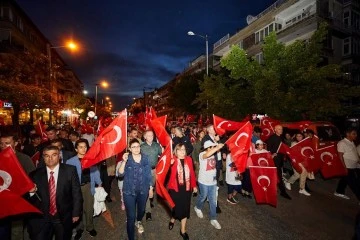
54,226
352,179
105,179
279,165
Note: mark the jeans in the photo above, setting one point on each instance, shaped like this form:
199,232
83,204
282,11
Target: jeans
133,203
208,192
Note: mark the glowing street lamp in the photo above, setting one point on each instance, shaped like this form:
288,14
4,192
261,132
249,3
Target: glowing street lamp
206,37
103,84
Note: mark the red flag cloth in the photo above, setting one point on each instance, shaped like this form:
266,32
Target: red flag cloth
141,118
35,158
13,204
221,125
332,166
264,183
267,126
158,126
304,153
13,175
190,118
162,169
200,120
262,160
100,128
302,125
239,145
110,142
192,138
286,150
150,115
40,129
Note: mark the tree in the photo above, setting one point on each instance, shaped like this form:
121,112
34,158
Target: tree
291,82
23,80
184,92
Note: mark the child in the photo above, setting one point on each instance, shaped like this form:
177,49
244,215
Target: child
233,180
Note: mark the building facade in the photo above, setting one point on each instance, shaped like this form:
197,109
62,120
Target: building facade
18,34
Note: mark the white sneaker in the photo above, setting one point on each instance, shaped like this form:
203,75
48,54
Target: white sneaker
216,224
341,195
198,212
287,185
139,226
303,191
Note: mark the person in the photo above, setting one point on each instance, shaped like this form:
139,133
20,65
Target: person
136,170
298,137
88,178
64,136
134,133
181,138
182,183
33,147
350,158
207,181
273,144
256,134
15,226
58,197
233,180
153,150
197,148
74,136
64,154
120,180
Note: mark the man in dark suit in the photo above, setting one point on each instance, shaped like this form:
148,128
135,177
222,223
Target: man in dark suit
58,196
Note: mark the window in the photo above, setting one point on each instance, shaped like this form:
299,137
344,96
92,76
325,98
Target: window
261,35
259,58
19,24
6,13
347,18
241,44
266,31
5,36
271,28
346,46
257,37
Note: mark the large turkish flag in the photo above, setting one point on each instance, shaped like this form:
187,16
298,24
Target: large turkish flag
262,160
162,135
162,169
303,152
332,166
110,142
267,126
239,145
222,125
264,182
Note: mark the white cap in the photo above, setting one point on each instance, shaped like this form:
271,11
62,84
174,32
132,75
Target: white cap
209,143
259,142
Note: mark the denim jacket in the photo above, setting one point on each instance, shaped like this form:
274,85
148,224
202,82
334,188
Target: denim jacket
129,186
94,172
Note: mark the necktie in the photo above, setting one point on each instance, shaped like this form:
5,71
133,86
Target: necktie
52,191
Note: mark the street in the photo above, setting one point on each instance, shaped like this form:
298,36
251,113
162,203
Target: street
320,216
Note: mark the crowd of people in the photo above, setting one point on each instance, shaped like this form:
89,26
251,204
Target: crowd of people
201,164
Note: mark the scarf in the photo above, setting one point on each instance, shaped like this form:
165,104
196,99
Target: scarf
180,171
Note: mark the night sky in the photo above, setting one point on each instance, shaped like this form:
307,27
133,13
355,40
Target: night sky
138,43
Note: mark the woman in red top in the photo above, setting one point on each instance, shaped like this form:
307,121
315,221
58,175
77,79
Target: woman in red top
181,184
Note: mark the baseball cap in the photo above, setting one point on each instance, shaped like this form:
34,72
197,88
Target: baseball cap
208,144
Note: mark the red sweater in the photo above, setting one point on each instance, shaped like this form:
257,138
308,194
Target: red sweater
173,182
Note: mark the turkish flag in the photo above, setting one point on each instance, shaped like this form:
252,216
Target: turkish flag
162,169
192,138
13,204
304,153
110,142
222,125
100,128
13,175
262,160
264,183
283,148
332,166
190,118
40,129
267,126
158,126
239,145
36,158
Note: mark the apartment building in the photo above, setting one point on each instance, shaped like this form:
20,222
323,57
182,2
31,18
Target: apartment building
19,34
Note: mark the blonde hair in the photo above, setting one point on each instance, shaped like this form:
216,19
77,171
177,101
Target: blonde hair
177,147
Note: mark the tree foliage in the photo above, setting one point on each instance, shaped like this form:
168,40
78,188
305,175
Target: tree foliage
291,83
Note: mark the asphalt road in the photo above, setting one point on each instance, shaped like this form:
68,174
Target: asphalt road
320,216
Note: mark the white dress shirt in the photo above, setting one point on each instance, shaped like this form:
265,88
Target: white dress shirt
56,174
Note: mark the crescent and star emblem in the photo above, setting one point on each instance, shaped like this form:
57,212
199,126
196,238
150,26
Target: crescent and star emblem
263,160
267,179
163,161
264,121
118,135
7,179
307,148
267,131
326,154
221,123
241,135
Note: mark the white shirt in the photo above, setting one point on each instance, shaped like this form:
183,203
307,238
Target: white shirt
207,170
55,174
351,156
230,175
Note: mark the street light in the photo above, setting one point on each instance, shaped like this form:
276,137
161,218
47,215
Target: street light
103,84
190,33
70,45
